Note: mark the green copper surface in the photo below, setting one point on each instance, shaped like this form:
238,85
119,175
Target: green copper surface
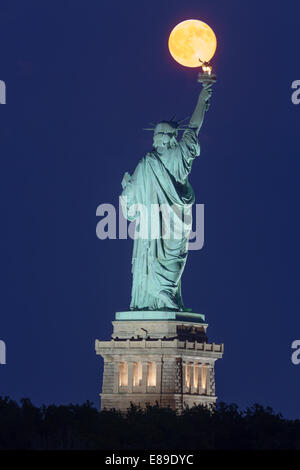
161,179
160,315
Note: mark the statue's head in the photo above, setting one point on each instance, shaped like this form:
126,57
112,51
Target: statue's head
165,134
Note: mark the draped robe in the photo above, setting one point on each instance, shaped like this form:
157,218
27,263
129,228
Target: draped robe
161,178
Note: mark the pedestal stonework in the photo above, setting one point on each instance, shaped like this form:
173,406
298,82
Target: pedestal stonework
158,357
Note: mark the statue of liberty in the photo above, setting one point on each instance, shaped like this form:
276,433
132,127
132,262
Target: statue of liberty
161,179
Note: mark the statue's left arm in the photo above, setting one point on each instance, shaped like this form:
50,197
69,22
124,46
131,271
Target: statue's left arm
131,196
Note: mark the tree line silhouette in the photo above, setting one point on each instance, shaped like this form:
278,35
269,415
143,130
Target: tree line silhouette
25,426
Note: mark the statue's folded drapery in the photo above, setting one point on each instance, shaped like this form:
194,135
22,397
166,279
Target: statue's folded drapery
160,251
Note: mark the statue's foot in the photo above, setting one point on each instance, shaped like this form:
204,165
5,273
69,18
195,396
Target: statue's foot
136,309
168,309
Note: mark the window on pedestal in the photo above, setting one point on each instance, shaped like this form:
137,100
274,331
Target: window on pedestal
188,368
123,374
137,374
151,374
196,376
203,378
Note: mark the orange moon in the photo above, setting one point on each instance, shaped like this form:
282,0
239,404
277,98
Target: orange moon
190,41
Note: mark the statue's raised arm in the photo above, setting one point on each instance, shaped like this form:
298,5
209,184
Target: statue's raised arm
197,117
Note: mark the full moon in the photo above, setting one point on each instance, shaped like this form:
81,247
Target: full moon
190,41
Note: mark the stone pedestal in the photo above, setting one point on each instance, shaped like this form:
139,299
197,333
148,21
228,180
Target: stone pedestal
159,357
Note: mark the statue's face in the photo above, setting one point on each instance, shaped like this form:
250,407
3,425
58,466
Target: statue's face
161,139
163,133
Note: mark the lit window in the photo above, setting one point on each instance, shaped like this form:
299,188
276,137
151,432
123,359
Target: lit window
196,376
151,374
137,374
188,375
203,376
123,374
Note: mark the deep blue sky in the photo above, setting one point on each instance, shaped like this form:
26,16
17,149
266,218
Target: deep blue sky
83,78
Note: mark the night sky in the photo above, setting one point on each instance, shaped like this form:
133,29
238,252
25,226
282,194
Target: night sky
83,79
